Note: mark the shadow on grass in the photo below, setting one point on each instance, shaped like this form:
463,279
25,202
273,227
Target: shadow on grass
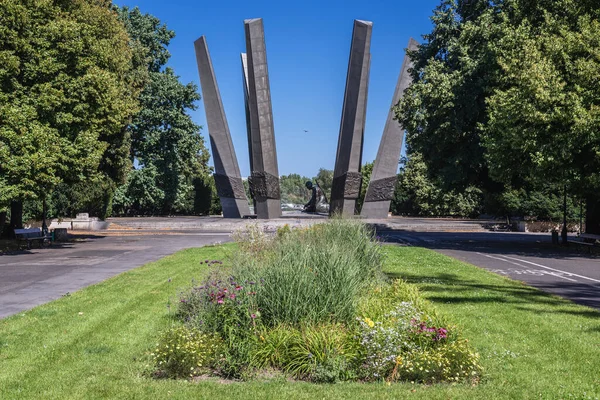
503,243
449,288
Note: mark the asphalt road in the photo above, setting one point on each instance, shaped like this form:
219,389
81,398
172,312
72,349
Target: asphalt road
31,278
527,257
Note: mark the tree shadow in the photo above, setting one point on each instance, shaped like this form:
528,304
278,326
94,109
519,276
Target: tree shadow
449,288
514,243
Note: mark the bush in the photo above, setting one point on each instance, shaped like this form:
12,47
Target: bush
451,361
183,352
321,353
410,342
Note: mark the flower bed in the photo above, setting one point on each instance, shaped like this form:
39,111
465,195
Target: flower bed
313,304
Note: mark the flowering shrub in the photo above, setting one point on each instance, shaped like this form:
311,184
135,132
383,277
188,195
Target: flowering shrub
448,362
405,345
222,305
383,341
183,352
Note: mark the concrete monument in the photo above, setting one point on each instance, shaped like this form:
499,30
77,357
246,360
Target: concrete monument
264,180
383,179
346,176
227,172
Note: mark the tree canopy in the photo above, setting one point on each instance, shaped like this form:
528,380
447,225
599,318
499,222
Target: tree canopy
67,88
166,143
505,98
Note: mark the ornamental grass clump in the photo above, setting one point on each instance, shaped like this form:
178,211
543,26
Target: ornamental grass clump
315,275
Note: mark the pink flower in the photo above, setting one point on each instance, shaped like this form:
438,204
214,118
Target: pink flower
232,296
220,301
238,287
252,316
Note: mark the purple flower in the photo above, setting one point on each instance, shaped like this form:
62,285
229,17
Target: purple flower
252,316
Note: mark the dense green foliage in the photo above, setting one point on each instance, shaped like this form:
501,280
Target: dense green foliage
68,86
85,95
504,101
166,143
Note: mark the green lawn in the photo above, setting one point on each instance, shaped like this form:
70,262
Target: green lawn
95,343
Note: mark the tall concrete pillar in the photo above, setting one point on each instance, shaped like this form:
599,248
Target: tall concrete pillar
383,179
265,172
244,60
227,171
346,175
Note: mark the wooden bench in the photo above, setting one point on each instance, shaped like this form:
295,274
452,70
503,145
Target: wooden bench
31,235
586,239
589,238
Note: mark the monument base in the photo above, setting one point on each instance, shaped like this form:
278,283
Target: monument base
375,209
234,208
269,208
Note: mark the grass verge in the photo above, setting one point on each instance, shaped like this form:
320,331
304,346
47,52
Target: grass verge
95,343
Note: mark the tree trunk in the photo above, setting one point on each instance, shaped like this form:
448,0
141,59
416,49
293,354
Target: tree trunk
592,215
16,217
2,224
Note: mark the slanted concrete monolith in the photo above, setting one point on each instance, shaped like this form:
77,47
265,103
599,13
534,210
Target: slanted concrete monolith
227,171
346,176
383,178
264,181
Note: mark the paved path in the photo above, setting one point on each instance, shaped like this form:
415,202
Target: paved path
528,257
35,277
32,278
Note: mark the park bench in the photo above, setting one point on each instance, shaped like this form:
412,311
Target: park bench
587,240
31,235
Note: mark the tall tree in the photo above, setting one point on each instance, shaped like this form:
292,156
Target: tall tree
504,96
444,109
165,139
67,89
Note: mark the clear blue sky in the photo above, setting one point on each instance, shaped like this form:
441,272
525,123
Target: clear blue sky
308,45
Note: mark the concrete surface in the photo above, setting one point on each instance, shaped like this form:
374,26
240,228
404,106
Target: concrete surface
265,170
31,278
348,160
528,257
385,168
228,179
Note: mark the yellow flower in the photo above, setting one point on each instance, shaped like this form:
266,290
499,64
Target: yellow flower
369,322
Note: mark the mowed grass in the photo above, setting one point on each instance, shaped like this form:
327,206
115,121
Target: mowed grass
96,343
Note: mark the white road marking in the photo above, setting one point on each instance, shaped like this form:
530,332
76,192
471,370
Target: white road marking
522,266
548,268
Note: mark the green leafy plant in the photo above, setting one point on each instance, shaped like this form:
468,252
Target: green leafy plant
314,275
322,353
183,352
